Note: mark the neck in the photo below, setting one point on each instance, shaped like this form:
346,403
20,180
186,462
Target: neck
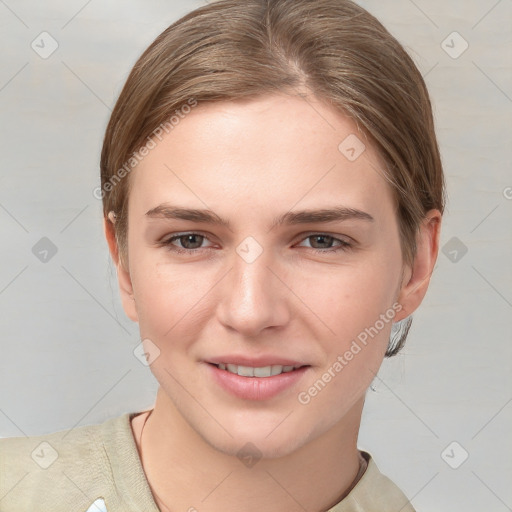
184,471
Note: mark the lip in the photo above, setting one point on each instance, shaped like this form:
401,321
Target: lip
264,360
256,388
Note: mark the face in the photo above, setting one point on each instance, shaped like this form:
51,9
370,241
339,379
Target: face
313,291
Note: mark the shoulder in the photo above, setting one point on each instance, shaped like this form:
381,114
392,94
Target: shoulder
58,471
374,492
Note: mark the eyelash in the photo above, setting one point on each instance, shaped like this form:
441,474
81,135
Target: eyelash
344,245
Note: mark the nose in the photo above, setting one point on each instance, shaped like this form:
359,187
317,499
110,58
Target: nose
254,296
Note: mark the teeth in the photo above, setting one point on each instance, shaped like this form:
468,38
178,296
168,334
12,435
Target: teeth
249,371
265,371
276,369
245,371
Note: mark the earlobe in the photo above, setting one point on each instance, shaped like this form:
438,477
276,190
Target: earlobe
108,228
123,275
417,278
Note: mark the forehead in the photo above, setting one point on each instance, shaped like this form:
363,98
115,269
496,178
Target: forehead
260,154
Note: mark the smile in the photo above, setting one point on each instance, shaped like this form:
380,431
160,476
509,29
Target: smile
261,371
256,382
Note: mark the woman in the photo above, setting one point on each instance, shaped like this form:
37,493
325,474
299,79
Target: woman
272,193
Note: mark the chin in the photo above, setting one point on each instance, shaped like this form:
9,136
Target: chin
256,448
257,443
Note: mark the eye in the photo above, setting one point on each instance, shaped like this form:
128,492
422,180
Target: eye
190,242
325,241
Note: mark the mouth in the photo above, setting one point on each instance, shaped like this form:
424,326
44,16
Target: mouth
257,371
256,382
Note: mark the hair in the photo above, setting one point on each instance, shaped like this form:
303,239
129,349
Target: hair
232,50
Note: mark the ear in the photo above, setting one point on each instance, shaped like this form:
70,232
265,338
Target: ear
123,275
417,278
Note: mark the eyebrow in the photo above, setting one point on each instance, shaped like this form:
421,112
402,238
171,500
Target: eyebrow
338,213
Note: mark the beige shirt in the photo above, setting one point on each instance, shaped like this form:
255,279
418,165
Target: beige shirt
97,468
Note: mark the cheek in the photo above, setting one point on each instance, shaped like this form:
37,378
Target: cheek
169,299
358,311
351,299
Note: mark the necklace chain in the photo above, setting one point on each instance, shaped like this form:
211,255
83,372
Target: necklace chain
363,464
160,501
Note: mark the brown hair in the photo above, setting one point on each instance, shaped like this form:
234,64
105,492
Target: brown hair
229,50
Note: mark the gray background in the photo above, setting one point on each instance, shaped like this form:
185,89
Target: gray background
67,347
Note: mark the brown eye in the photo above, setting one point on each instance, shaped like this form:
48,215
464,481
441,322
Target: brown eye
191,241
325,244
325,241
187,243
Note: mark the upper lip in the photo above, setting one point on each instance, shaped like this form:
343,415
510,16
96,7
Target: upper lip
255,362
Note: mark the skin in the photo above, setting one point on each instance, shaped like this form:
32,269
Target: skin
249,161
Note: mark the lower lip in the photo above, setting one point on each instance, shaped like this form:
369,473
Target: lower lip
256,388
